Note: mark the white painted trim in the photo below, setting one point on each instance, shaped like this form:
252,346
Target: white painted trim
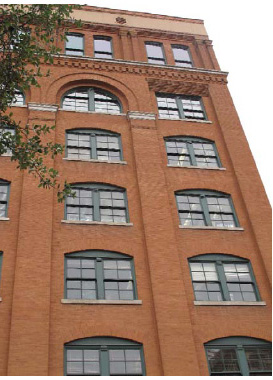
229,303
141,115
94,223
2,218
188,120
96,161
43,107
93,112
211,228
18,105
6,155
194,167
101,302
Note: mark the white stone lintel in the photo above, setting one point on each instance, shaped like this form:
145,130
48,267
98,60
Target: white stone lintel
141,115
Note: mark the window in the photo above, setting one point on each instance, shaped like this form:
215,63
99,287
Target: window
91,99
182,56
206,208
241,356
218,277
155,53
104,356
5,136
99,275
86,144
19,99
4,196
192,151
180,107
103,47
97,202
74,44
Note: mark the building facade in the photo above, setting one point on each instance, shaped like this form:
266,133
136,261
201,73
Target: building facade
161,263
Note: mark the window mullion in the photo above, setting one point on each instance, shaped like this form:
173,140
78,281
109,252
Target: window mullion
180,107
96,205
242,360
222,279
205,210
91,100
104,364
191,152
93,144
99,278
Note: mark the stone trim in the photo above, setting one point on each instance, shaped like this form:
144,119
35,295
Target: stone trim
18,105
229,303
141,115
43,107
2,218
96,161
101,302
188,120
211,228
94,223
93,112
193,167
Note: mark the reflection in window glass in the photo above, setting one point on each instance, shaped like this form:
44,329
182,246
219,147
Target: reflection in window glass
74,44
155,53
180,107
103,47
182,56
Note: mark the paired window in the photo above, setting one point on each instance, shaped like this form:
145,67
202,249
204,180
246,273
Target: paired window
223,278
74,44
4,197
91,99
182,56
97,202
206,208
155,53
180,107
100,275
241,356
5,136
103,47
104,356
86,144
192,151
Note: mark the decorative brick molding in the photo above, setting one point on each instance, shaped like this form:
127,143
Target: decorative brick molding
141,115
179,87
43,107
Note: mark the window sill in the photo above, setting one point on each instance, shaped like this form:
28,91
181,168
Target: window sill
229,303
96,161
212,228
6,155
93,222
188,120
2,218
94,112
194,167
19,105
101,302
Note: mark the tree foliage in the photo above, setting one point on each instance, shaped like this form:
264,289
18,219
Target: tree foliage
29,37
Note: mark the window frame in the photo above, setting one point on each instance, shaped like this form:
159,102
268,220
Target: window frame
106,38
71,50
6,183
93,142
100,256
239,344
161,45
189,140
183,47
219,260
204,206
178,99
104,344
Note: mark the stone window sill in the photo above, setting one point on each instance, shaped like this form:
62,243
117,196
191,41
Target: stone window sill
19,105
94,112
3,218
229,303
194,167
96,161
211,228
101,302
6,155
188,120
93,222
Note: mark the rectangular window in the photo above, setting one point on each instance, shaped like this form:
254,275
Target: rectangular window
205,282
80,207
223,361
103,47
5,135
4,190
239,282
190,210
118,280
74,44
182,56
180,107
83,362
125,362
155,53
112,206
259,361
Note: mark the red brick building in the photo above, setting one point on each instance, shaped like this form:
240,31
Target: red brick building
161,263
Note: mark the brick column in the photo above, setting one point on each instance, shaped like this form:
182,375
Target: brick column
126,45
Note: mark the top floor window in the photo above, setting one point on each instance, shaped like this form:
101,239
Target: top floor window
103,47
182,56
74,44
155,53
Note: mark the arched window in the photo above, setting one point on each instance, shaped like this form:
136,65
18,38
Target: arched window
239,355
217,277
97,202
4,198
104,356
205,208
19,98
91,99
93,275
192,151
95,144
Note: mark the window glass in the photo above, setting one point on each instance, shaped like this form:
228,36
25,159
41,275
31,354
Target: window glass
182,56
74,45
5,133
103,47
155,53
18,99
180,107
4,187
205,281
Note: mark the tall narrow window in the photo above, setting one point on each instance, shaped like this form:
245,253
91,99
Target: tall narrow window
180,107
5,137
103,47
182,56
104,356
4,196
155,53
86,144
74,44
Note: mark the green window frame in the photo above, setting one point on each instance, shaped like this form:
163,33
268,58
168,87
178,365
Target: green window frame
171,106
4,198
182,55
219,277
155,53
100,275
192,151
19,99
6,134
93,144
74,44
205,208
103,47
91,99
97,202
239,355
104,356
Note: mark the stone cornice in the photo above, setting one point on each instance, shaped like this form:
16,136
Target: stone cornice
43,107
